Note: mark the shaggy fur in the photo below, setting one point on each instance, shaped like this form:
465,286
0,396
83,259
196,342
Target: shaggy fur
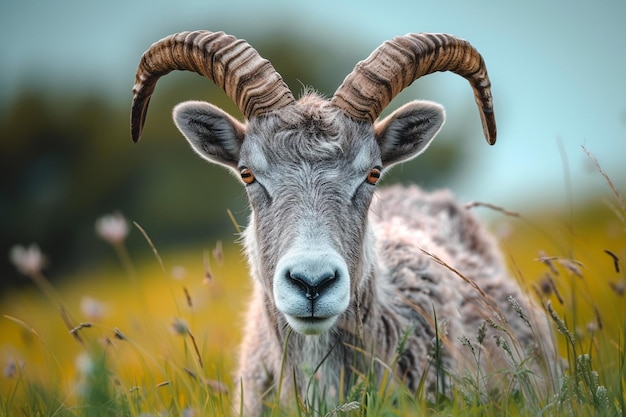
399,299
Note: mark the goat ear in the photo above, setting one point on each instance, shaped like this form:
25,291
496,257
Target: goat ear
213,133
408,131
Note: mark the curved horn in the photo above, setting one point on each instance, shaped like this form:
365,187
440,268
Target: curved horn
248,79
394,65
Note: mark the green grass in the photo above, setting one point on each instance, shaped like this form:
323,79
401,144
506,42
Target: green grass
154,339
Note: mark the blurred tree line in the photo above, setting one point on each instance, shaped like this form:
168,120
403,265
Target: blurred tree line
67,159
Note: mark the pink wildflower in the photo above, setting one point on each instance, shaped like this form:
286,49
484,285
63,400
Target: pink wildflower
28,260
113,228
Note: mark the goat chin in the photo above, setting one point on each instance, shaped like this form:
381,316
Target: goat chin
311,326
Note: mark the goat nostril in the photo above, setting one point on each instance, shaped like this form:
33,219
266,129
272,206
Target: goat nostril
300,282
312,295
327,281
312,291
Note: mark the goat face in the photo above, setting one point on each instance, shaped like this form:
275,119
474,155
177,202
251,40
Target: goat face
309,165
310,173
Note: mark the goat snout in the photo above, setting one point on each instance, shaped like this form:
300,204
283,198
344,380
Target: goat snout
312,290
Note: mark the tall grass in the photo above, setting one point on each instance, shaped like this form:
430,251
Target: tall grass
168,349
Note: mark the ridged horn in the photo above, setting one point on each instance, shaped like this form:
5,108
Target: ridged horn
394,65
232,64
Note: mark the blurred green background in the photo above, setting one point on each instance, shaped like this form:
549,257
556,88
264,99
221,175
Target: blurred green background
67,69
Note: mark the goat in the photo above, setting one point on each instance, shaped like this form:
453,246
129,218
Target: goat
341,272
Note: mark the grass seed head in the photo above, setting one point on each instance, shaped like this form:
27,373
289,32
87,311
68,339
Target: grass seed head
560,323
119,335
180,327
482,331
615,259
518,310
619,287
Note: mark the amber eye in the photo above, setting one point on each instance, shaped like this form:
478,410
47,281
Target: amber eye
373,176
246,175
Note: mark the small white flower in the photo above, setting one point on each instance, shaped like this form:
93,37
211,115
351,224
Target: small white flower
93,309
84,363
190,412
27,260
12,368
179,272
218,253
113,228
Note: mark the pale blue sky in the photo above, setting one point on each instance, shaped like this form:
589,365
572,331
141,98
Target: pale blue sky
557,67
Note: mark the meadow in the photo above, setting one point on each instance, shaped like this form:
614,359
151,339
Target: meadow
157,336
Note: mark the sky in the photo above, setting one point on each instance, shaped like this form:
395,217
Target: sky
557,70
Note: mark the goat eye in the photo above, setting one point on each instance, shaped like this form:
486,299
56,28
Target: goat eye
246,175
373,176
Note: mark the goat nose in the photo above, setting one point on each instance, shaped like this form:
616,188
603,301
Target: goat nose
311,284
312,287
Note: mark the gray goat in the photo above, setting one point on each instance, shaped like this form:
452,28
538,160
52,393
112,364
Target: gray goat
345,277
